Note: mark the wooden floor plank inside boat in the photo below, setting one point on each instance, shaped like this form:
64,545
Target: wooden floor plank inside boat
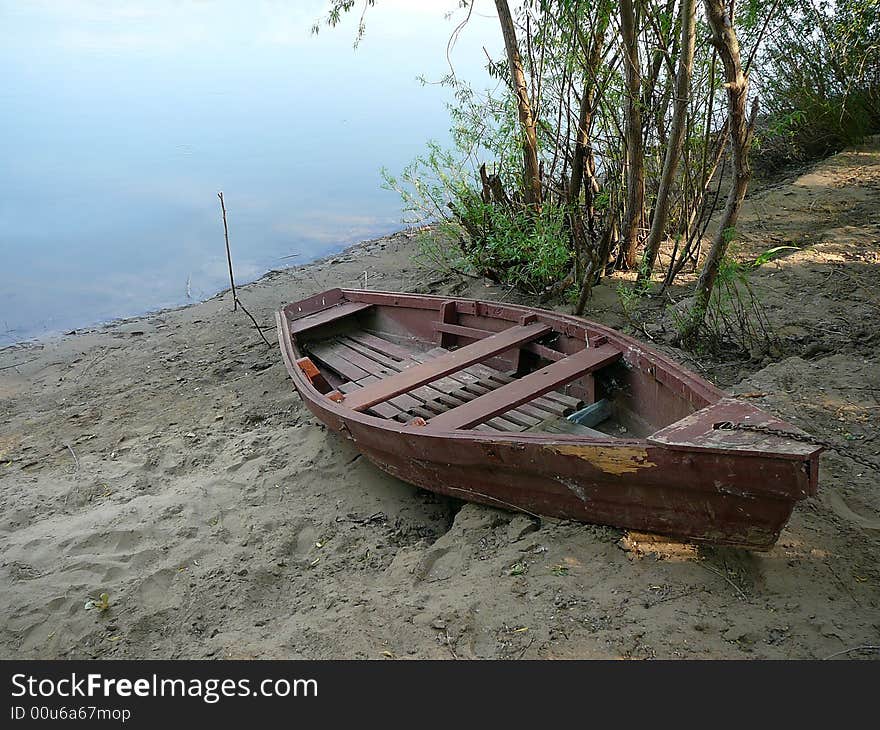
426,396
426,401
447,363
481,376
454,389
527,387
364,359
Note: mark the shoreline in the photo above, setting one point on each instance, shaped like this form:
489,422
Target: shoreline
347,250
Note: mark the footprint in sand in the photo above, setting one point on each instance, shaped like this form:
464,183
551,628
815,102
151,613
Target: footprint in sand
154,593
842,509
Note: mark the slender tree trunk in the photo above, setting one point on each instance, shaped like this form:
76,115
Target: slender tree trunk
531,168
676,139
581,164
583,168
649,84
635,153
598,260
725,40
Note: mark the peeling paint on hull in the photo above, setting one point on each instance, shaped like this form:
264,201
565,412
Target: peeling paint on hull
615,460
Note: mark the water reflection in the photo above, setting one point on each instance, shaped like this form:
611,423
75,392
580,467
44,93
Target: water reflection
121,121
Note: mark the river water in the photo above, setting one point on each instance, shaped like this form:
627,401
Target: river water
122,119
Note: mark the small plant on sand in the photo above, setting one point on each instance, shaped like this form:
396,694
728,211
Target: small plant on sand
492,237
770,254
99,604
435,254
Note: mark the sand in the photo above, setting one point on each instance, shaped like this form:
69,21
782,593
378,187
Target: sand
167,462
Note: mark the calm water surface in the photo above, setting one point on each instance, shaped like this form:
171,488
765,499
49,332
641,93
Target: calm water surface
122,119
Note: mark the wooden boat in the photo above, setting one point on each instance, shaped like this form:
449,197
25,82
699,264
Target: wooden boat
544,413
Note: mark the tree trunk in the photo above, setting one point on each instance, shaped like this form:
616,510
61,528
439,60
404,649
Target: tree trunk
583,166
531,169
724,39
649,84
676,139
635,153
581,163
597,262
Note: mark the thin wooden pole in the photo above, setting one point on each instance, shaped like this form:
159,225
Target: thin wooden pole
236,302
228,253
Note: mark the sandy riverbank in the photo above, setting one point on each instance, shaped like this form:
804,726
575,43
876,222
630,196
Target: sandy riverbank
167,462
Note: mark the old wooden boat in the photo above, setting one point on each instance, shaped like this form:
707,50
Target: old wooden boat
545,413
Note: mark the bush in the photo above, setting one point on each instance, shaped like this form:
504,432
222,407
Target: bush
820,78
503,240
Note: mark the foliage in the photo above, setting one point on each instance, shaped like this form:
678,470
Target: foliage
820,80
770,254
513,246
809,75
101,604
629,298
736,323
337,9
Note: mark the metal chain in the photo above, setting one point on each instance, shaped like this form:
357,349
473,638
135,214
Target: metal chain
802,437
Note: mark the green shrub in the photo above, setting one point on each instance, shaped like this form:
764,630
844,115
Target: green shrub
507,242
820,81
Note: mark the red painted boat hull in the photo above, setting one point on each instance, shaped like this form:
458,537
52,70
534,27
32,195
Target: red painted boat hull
721,493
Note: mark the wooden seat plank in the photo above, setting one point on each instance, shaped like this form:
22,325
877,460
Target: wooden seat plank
390,353
453,384
447,391
511,421
525,388
434,369
462,384
482,384
553,400
325,316
492,379
560,401
364,371
336,361
471,385
404,402
473,333
458,385
374,346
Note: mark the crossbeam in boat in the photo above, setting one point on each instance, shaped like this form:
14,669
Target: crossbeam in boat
478,378
525,388
363,366
441,366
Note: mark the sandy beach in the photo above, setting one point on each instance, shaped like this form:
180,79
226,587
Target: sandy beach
167,462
